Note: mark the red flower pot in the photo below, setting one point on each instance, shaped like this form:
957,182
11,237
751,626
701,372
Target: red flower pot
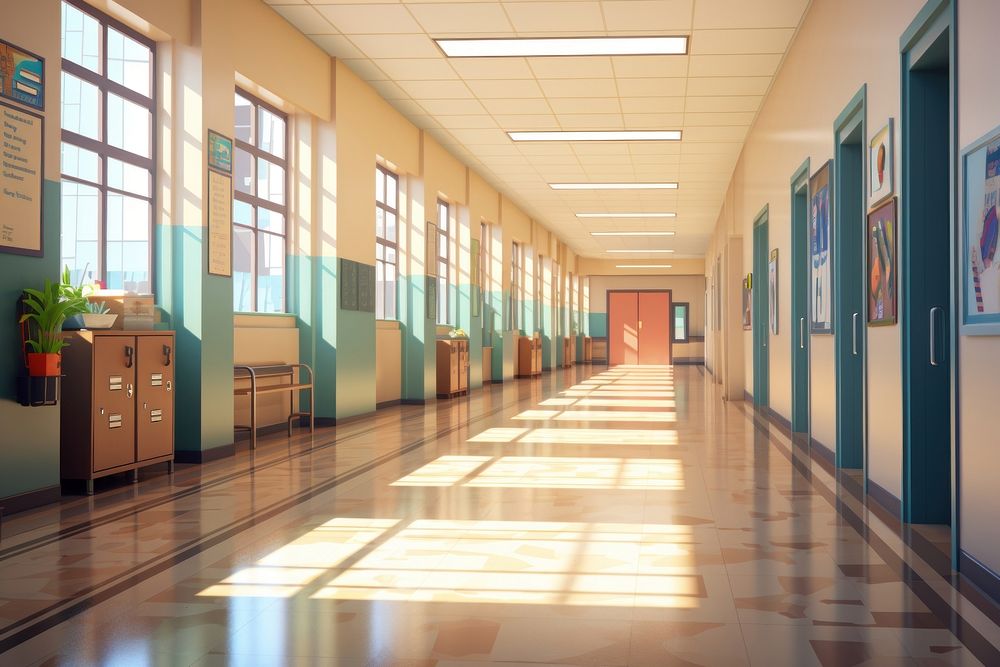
44,364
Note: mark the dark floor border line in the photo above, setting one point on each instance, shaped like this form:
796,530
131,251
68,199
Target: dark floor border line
30,499
886,500
981,647
204,455
979,574
413,401
52,616
388,404
823,450
780,420
70,531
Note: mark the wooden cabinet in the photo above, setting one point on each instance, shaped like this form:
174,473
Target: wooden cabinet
529,356
568,351
452,367
118,403
588,349
487,364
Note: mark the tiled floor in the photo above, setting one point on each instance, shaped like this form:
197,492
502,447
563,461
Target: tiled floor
625,518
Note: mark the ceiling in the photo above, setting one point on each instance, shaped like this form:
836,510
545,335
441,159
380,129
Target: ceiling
712,94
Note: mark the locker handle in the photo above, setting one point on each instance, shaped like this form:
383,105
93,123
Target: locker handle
166,355
129,356
128,390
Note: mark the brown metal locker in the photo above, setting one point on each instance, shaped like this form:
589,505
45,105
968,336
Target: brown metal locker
155,397
114,402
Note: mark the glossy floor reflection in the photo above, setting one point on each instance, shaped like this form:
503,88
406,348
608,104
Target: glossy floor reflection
629,517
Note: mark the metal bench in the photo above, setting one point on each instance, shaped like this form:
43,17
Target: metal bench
258,372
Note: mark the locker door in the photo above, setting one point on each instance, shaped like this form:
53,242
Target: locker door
623,328
155,401
114,401
654,328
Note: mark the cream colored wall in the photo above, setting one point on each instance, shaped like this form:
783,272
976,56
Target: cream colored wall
388,361
264,339
979,355
841,45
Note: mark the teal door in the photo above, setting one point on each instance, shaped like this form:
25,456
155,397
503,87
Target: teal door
849,294
760,311
800,299
926,231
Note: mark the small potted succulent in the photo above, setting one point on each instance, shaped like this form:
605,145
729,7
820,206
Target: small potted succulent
96,314
45,311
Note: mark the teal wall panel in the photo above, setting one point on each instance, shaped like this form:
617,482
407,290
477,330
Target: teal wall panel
598,325
419,380
29,457
355,362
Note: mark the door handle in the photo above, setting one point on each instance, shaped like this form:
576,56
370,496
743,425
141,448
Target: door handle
854,334
129,390
802,333
166,355
933,336
129,356
640,325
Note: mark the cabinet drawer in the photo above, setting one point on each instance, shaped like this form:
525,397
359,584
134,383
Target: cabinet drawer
114,402
155,397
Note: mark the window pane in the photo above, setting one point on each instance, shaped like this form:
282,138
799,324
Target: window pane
379,251
379,288
379,223
442,303
80,213
443,216
81,38
270,221
244,120
391,183
270,273
390,255
128,177
390,227
243,258
128,126
81,109
272,133
390,291
379,185
129,63
242,213
81,163
127,243
128,218
270,182
243,168
443,245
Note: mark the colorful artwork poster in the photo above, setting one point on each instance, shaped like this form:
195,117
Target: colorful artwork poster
982,264
882,279
880,165
820,258
747,306
220,152
772,291
22,76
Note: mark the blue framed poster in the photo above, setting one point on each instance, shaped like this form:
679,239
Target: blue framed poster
22,76
820,248
980,164
220,152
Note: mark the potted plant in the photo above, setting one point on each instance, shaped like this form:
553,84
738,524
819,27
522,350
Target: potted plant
96,315
45,312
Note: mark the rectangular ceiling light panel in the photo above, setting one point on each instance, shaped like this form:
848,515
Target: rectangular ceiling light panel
563,46
597,135
644,266
613,186
626,215
631,233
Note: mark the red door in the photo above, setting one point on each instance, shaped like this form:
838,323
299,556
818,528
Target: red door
654,328
623,328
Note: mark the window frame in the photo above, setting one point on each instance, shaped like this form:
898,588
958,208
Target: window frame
386,174
443,261
256,202
100,147
516,277
674,307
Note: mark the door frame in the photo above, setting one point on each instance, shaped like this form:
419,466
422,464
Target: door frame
800,303
934,18
853,117
670,326
761,333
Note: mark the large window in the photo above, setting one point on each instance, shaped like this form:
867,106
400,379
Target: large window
443,262
108,102
260,209
516,275
386,242
680,322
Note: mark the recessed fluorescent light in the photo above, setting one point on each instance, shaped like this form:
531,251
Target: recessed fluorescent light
626,215
641,250
599,135
563,46
644,266
631,233
613,186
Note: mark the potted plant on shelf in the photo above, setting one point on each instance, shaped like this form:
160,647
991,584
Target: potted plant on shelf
45,312
96,315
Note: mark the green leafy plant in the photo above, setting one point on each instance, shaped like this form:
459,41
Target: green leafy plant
98,308
69,290
458,333
47,309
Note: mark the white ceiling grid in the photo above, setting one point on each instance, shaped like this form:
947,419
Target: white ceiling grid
468,104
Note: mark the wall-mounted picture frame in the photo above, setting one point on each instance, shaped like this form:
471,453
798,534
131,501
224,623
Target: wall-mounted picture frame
348,285
21,186
881,165
882,280
820,250
22,75
430,303
979,211
220,224
748,302
772,291
220,152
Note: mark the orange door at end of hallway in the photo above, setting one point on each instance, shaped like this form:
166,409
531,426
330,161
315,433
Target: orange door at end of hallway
623,328
654,328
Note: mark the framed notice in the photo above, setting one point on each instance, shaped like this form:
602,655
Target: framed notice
820,245
882,305
980,212
21,181
22,76
220,152
348,285
220,224
366,288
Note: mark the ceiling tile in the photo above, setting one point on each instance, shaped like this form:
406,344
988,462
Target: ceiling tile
652,104
743,14
705,119
306,19
492,68
527,122
650,66
722,104
471,17
736,65
398,46
579,87
721,42
416,69
672,16
653,121
571,68
337,45
435,90
366,69
452,107
505,89
369,18
587,121
729,85
475,121
585,105
517,106
673,87
542,17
